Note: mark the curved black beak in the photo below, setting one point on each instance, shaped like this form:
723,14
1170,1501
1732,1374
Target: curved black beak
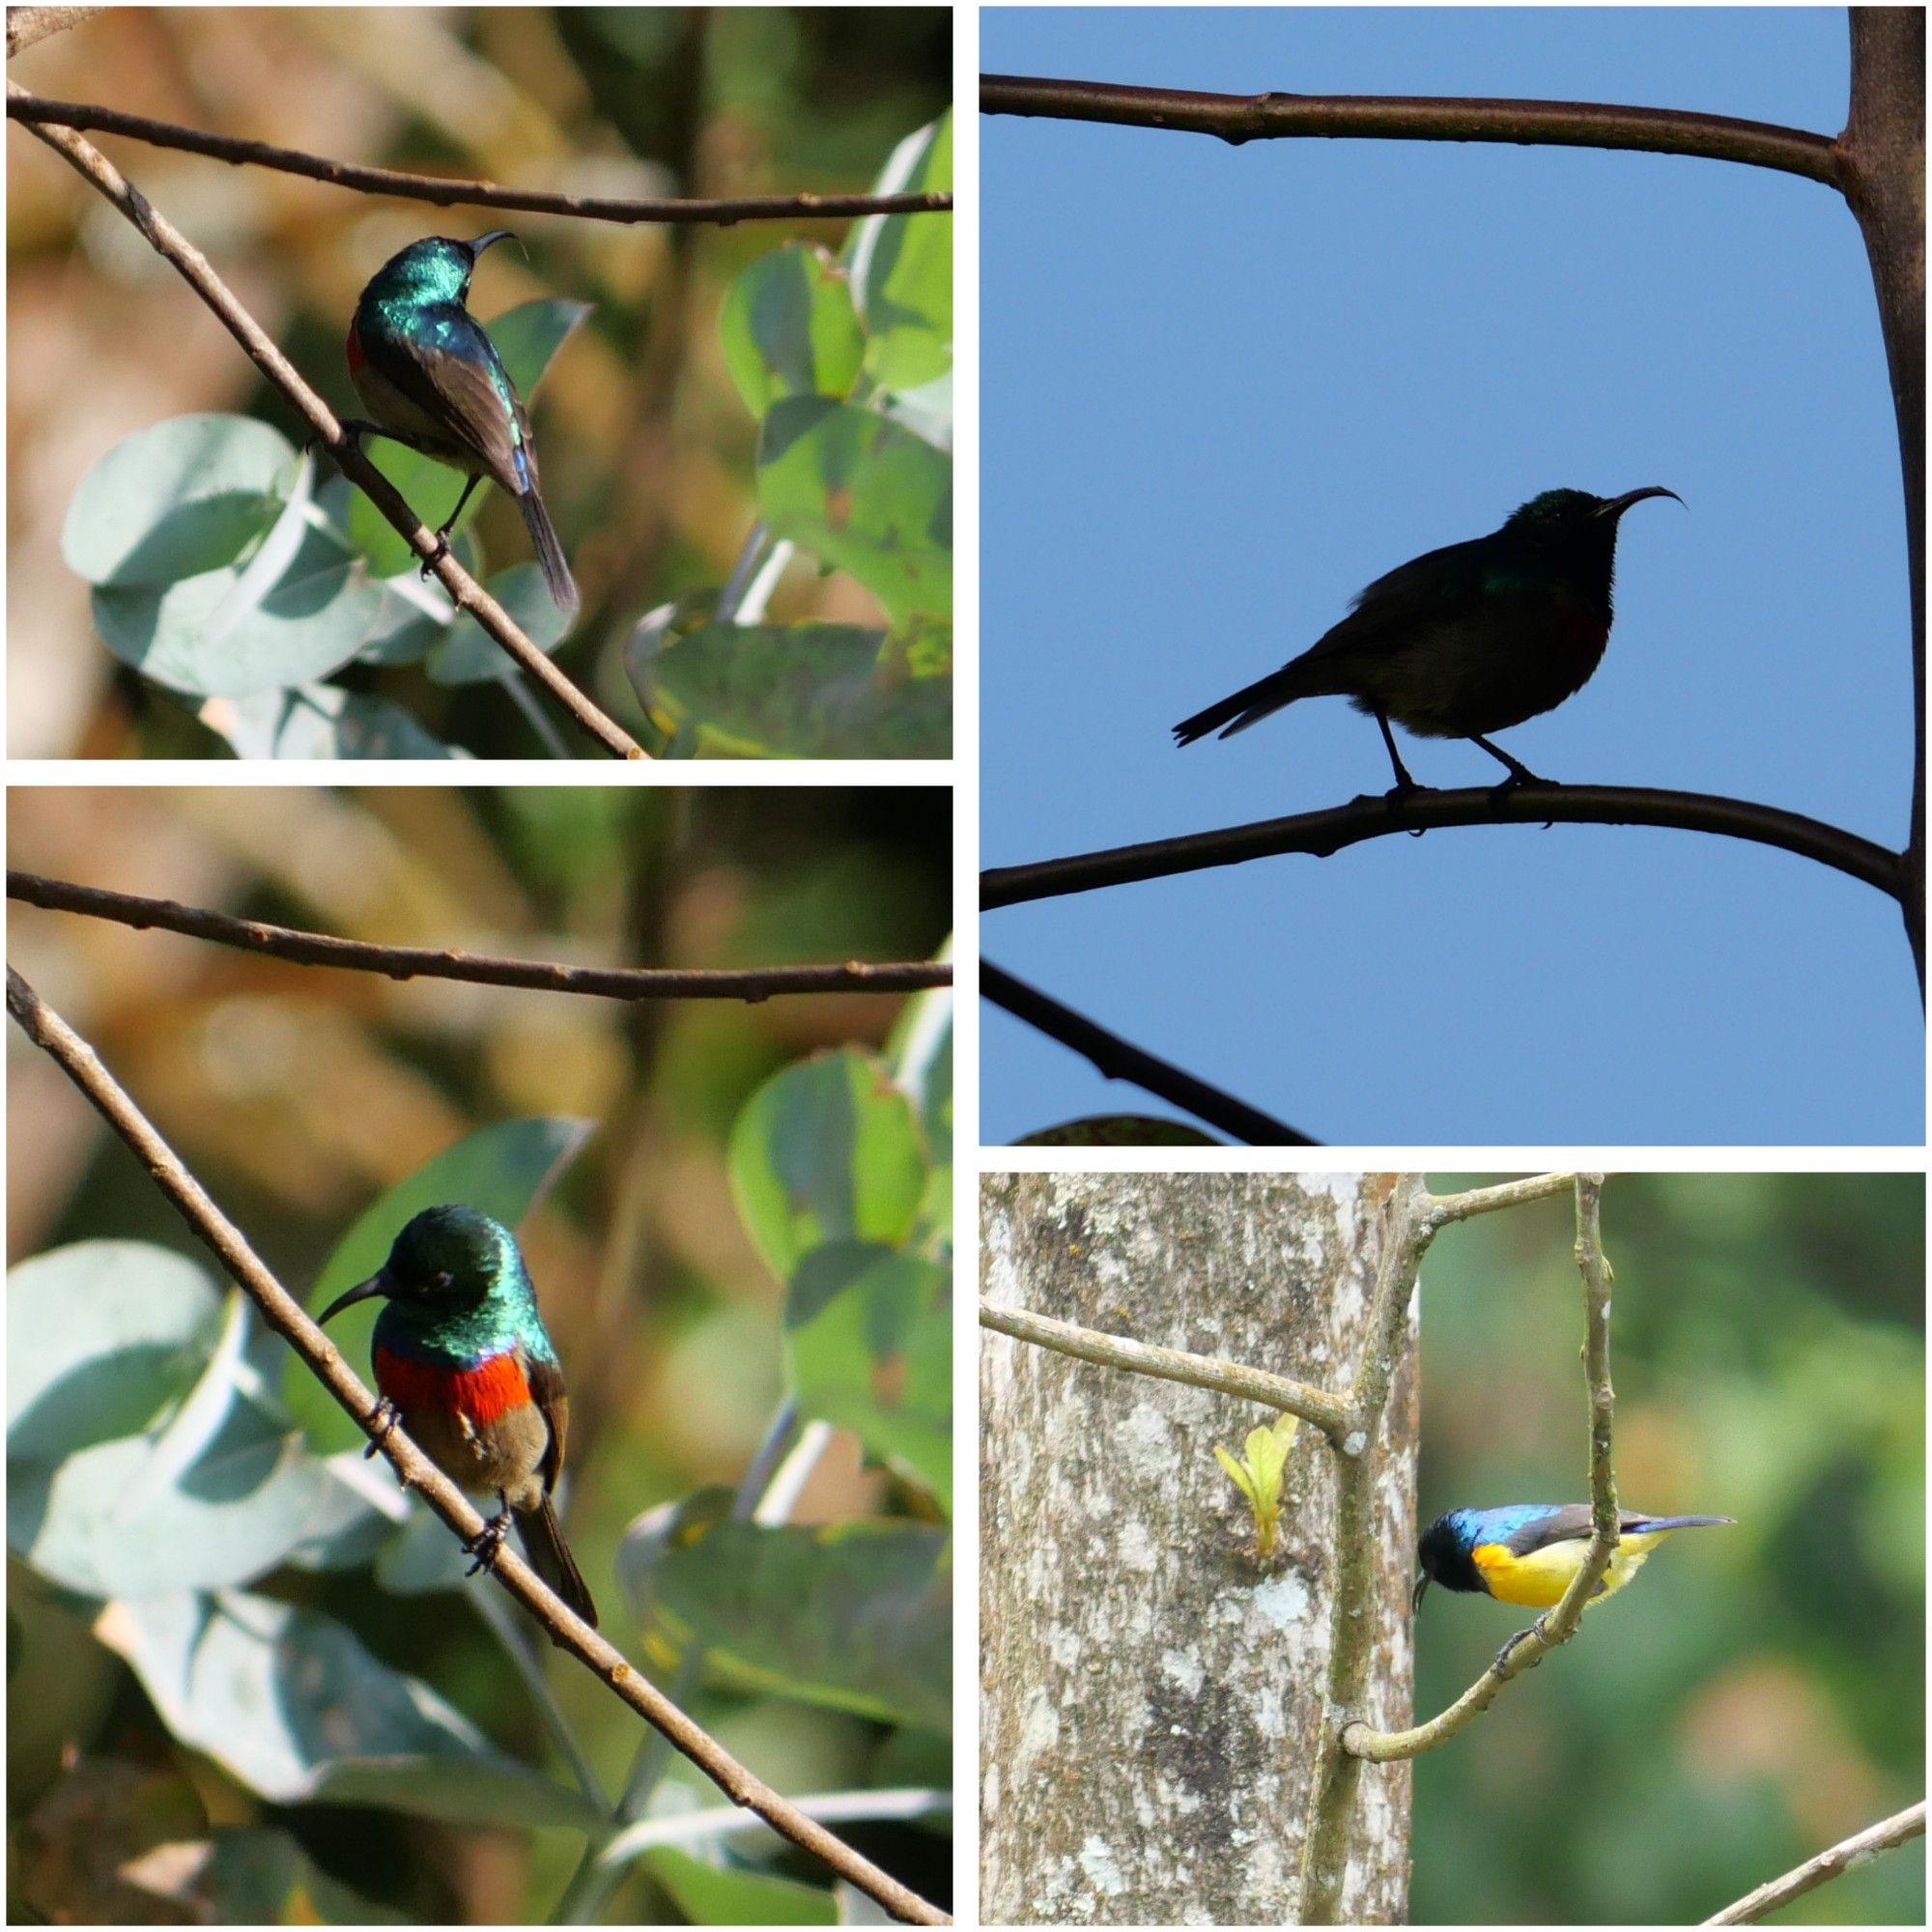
1617,505
1414,1602
490,241
376,1284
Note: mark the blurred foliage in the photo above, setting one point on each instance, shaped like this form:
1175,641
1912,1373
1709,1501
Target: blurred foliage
299,1096
651,456
1758,1692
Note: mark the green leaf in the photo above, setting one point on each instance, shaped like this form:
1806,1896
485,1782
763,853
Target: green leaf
526,338
318,720
294,1709
826,1151
1238,1474
199,634
800,691
176,500
868,1339
468,654
865,494
730,1896
502,1170
853,1616
789,328
902,269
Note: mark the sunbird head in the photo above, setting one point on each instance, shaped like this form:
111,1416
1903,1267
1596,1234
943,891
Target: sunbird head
1443,1553
1563,511
446,1261
436,269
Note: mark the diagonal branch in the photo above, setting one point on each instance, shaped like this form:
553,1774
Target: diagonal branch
408,962
468,594
290,1319
1860,1849
450,191
1120,1060
1563,124
1334,1417
1381,816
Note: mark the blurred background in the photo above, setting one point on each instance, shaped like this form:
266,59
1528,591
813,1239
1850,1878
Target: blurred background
298,1095
1758,1692
648,449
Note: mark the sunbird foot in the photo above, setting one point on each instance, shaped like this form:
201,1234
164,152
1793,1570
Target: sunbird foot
383,1417
487,1541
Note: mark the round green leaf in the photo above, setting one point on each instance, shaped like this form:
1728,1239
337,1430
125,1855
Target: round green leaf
789,328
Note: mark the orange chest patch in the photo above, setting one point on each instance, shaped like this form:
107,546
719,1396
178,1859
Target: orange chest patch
484,1393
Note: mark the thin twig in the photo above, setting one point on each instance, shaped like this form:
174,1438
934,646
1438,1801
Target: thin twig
1238,118
1120,1060
1331,830
1860,1849
1444,1208
1327,1413
408,962
291,1321
173,246
450,191
1559,1625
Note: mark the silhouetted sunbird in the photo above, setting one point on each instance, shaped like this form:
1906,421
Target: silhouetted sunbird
1529,1553
463,1362
432,378
1463,640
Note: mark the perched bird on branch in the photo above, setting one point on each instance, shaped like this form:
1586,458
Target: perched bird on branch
1464,641
463,1361
1528,1553
432,378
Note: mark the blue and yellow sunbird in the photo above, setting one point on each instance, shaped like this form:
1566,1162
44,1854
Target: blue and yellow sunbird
1529,1553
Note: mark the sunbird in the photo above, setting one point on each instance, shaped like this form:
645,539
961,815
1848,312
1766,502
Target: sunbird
1529,1553
1464,641
463,1361
432,378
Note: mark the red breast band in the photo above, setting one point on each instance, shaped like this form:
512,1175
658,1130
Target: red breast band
490,1389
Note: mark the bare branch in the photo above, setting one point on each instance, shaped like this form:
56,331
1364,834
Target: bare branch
1120,1060
1446,1207
408,962
468,594
1559,1625
1172,1365
1861,1848
1238,118
27,24
1372,816
290,1319
450,191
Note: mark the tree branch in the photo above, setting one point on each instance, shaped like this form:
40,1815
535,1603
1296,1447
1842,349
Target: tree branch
1120,1060
408,962
1370,816
1529,1647
1444,1208
1886,1835
448,191
27,24
290,1319
1237,118
468,594
1172,1365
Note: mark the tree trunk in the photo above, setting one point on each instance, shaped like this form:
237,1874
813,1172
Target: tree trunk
1152,1696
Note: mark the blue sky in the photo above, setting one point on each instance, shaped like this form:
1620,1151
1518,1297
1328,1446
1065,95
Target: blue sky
1225,387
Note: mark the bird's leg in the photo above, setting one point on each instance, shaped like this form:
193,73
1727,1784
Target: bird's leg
1520,774
1403,781
488,1540
442,548
385,1416
1536,1630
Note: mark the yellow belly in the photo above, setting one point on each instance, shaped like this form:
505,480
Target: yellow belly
1537,1582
